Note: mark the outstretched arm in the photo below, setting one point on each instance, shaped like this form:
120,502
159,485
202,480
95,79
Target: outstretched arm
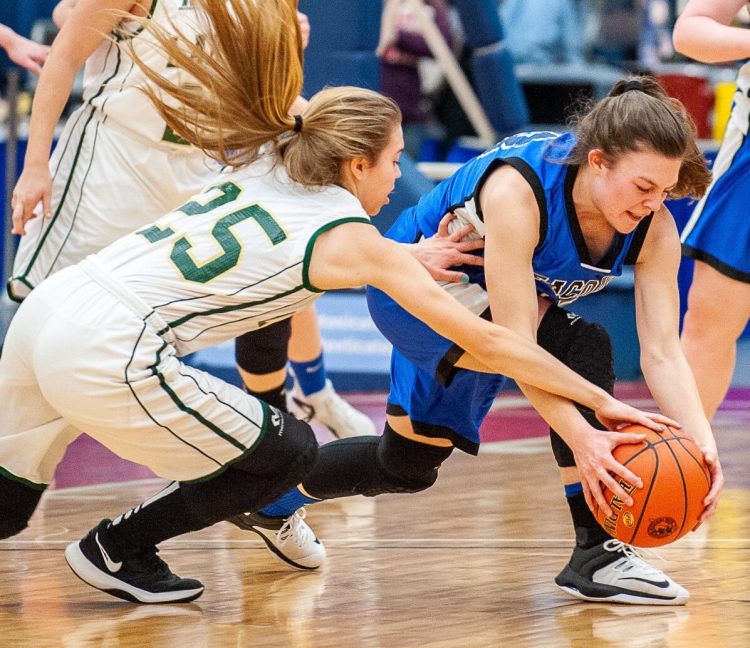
354,254
512,233
445,250
62,10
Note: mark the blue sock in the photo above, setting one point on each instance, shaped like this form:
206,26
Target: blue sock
573,489
311,376
288,504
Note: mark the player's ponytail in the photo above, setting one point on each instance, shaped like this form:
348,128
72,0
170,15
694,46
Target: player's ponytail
246,72
638,114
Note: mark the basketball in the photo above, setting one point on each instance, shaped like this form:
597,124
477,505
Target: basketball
675,482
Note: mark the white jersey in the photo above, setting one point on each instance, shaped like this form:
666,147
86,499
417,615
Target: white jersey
232,259
95,348
112,81
741,109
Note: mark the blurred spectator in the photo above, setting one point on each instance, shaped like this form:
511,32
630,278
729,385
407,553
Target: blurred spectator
543,31
656,34
620,23
401,48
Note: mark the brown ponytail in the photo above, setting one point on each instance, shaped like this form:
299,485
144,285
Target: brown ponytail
639,114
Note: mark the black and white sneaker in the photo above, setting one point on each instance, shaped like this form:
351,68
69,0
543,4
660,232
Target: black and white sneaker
291,540
615,572
141,576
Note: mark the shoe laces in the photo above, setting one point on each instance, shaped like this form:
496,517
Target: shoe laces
294,528
147,561
631,556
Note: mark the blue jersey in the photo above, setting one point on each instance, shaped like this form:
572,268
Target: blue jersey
718,232
563,269
440,399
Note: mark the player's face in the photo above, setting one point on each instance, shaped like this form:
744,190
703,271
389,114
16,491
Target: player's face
380,178
634,186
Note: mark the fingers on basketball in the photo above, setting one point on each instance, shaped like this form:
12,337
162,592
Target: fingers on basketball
675,482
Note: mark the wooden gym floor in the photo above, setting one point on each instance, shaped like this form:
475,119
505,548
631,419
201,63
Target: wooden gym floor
470,562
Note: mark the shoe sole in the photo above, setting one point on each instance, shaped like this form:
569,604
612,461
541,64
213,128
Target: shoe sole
96,578
627,599
276,553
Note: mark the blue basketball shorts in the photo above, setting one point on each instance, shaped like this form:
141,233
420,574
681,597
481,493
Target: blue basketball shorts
718,232
441,400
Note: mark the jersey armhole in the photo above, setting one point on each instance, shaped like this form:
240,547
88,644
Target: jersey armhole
311,243
531,177
637,243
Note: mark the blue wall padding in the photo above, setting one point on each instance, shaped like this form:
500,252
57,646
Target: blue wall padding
410,187
499,91
481,21
339,25
341,68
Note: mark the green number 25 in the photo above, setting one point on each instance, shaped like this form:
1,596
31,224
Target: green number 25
231,247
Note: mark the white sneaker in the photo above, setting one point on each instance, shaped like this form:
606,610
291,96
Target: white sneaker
614,572
290,539
330,410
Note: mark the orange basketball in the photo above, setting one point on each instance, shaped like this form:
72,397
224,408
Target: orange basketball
675,482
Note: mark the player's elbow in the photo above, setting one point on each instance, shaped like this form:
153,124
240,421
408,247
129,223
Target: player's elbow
655,356
686,41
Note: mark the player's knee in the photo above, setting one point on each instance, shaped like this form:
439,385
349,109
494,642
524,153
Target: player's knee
408,466
591,356
583,346
279,462
18,502
562,453
264,350
287,445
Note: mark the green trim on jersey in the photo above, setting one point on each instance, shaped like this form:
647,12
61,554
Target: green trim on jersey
9,475
9,287
189,410
71,176
261,435
308,250
71,173
145,409
226,309
120,38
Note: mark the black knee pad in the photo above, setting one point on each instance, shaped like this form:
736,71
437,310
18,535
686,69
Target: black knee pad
373,465
587,349
411,466
285,440
17,503
279,462
583,346
264,350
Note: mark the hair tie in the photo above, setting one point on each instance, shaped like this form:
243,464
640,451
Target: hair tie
297,123
632,85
